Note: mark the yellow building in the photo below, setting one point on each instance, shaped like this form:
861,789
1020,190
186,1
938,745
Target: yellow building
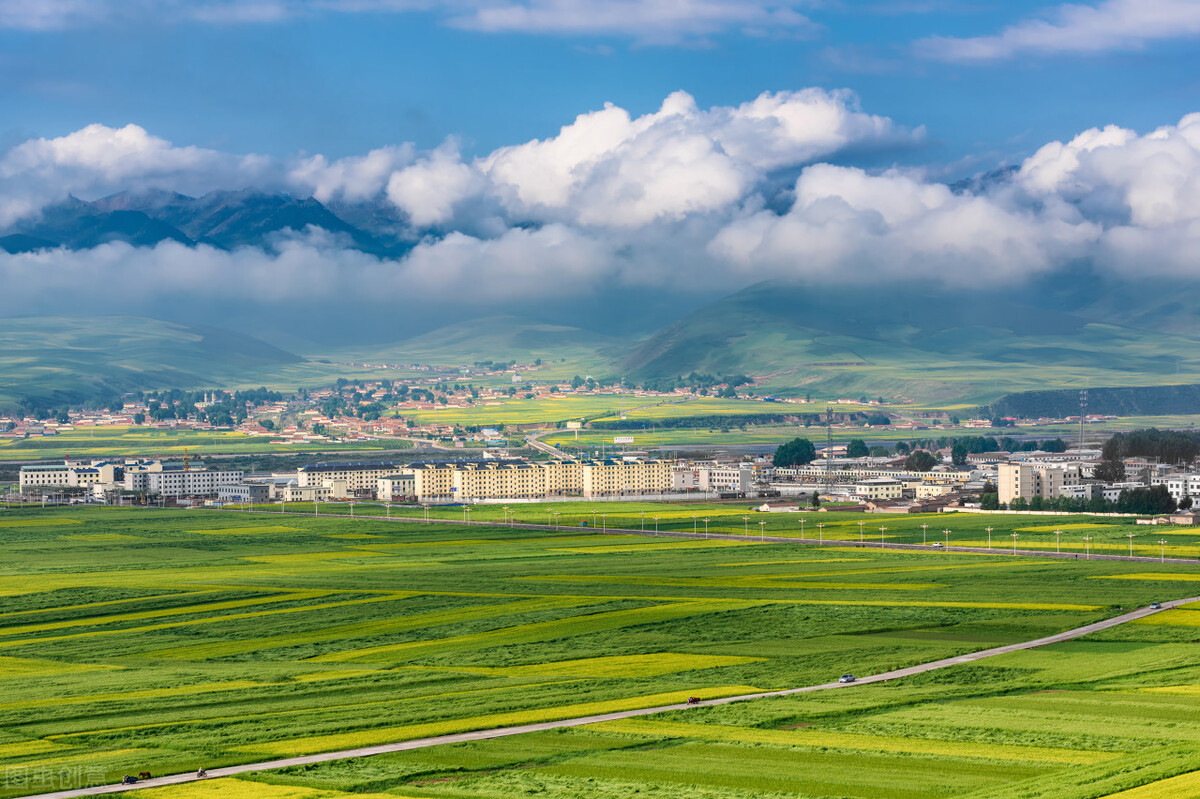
614,478
433,480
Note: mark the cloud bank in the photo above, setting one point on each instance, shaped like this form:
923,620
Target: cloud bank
683,199
1076,28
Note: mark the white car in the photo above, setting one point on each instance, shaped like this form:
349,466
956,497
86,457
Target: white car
938,544
847,678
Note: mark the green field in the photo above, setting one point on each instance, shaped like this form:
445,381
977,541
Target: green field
1109,535
552,410
139,640
117,441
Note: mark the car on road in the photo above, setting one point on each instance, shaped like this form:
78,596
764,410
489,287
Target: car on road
847,678
936,544
1156,606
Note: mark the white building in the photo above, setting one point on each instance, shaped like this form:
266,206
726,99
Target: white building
178,482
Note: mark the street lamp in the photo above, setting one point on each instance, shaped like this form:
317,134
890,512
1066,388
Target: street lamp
604,521
746,525
924,533
860,532
315,504
821,532
656,525
426,507
694,524
801,527
1015,536
351,510
762,531
643,521
989,537
549,513
881,532
1087,540
556,515
947,533
706,527
1130,537
1162,555
1058,541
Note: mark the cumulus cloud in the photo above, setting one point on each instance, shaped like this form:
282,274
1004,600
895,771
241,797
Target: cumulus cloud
669,200
895,226
98,159
352,179
608,168
1149,181
1076,28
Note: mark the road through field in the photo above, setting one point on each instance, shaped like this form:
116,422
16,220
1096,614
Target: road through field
500,732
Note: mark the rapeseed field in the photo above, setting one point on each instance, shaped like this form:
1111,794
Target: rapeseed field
148,640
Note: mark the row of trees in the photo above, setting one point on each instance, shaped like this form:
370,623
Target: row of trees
1151,500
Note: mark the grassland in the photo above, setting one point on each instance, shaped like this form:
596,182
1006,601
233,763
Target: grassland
116,441
138,640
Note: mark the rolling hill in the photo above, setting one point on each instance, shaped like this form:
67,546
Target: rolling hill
922,342
53,361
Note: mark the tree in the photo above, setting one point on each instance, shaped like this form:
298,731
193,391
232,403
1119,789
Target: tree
1185,503
920,461
576,382
878,419
903,448
797,452
139,418
816,500
958,454
1110,471
857,448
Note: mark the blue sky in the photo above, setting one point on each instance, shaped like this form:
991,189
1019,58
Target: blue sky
340,83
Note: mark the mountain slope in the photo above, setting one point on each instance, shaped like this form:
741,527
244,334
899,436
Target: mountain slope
51,361
917,341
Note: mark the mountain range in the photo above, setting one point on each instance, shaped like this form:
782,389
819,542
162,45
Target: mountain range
223,219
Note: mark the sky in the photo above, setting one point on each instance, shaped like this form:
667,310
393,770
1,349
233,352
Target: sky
542,148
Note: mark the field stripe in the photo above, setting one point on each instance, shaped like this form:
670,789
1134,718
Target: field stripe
832,739
351,630
539,631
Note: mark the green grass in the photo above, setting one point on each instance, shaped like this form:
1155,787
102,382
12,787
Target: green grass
118,441
138,640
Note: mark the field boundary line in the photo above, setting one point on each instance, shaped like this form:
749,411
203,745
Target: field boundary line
503,732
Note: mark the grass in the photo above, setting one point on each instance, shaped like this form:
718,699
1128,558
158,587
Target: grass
138,639
135,441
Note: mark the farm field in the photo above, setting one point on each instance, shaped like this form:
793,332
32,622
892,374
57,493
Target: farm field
604,406
1109,535
148,442
135,640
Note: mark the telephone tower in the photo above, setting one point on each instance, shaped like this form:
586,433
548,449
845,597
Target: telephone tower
1083,402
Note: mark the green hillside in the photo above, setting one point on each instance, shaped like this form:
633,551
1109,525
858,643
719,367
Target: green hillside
563,350
50,361
919,342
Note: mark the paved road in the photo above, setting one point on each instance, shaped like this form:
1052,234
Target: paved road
501,732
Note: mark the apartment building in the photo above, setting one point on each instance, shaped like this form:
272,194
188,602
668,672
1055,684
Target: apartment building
621,477
359,477
878,488
1028,480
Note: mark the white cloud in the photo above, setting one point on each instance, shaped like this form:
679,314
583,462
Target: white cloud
1150,181
607,168
429,190
660,21
98,160
657,21
1076,28
846,223
353,179
45,15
